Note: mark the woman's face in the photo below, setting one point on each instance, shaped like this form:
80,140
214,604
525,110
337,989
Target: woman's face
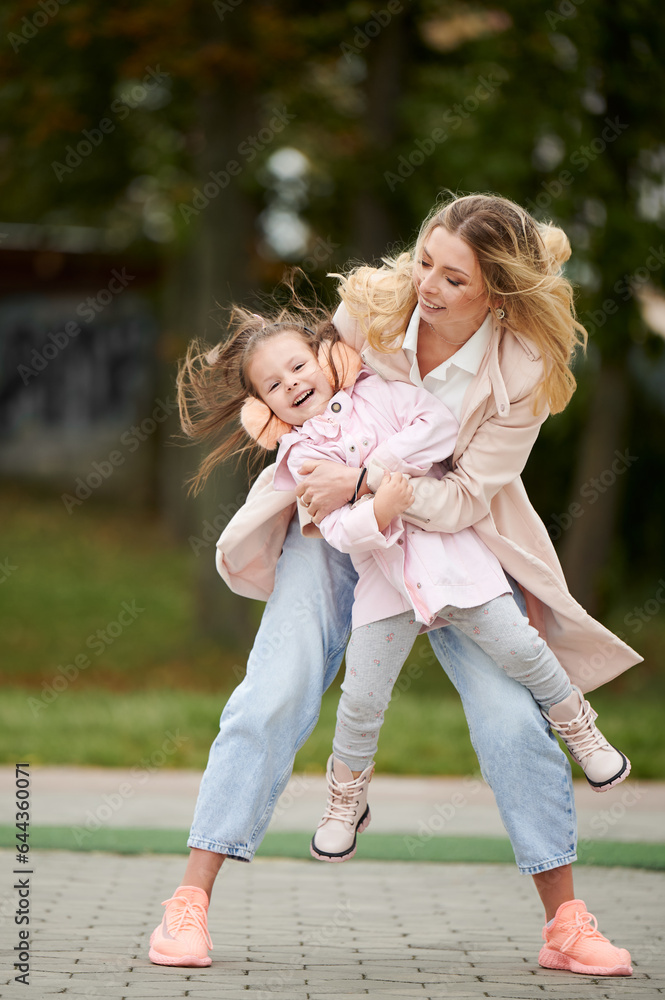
288,378
450,289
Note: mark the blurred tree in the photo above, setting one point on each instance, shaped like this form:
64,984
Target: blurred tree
388,105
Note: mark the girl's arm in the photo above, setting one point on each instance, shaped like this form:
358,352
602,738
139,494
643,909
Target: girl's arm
427,435
356,528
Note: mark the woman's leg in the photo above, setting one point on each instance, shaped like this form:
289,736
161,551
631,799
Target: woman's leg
519,757
530,777
296,655
504,633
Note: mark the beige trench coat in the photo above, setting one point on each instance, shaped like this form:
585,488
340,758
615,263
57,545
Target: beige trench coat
497,431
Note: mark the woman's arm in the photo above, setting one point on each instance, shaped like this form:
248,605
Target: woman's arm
495,456
427,434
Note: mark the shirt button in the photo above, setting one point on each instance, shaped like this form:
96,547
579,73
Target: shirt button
365,443
419,585
400,541
336,407
352,447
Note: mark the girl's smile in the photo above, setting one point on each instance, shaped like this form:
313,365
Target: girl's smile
288,378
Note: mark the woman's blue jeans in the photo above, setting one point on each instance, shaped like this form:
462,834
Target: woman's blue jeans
296,655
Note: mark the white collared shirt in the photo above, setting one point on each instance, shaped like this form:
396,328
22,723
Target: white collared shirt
450,380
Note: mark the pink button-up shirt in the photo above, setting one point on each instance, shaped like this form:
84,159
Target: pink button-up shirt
408,430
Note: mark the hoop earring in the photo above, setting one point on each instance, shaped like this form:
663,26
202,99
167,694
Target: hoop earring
499,313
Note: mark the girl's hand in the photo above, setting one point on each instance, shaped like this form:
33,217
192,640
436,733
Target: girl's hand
328,485
393,497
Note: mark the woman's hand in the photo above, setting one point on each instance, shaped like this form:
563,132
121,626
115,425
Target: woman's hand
328,485
393,497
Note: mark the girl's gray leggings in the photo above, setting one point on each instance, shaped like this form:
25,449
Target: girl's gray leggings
376,654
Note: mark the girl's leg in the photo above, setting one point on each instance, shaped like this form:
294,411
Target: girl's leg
504,633
374,657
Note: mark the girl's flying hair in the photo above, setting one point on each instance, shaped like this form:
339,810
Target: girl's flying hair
213,384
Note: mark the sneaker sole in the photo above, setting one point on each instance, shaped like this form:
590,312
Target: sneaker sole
188,961
549,959
344,856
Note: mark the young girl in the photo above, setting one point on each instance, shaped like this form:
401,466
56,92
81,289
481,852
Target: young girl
302,387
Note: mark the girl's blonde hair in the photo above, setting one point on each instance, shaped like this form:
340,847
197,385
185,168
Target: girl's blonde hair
213,384
520,262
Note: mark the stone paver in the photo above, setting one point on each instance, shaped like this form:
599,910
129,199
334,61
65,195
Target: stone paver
308,931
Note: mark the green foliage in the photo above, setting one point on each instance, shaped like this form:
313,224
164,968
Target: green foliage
156,680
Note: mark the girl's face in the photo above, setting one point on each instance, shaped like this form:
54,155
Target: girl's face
287,377
450,288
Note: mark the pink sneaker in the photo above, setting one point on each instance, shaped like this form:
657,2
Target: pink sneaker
182,937
573,942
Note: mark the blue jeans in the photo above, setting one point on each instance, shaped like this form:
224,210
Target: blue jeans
296,655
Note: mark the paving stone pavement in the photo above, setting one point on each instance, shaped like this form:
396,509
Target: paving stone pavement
310,931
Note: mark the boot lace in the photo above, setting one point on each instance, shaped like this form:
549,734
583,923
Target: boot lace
342,798
193,916
581,733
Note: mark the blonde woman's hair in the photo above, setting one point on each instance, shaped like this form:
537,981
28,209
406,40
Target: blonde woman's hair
520,262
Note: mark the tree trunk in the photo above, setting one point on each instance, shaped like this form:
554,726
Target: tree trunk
595,501
213,273
385,56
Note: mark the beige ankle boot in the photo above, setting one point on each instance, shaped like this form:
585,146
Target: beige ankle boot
346,815
574,720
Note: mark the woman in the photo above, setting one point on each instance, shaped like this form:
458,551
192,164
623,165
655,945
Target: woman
481,317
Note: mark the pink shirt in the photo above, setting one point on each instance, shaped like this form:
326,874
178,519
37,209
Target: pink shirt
403,568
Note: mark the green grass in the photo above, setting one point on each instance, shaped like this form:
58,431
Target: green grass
133,729
72,574
371,846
